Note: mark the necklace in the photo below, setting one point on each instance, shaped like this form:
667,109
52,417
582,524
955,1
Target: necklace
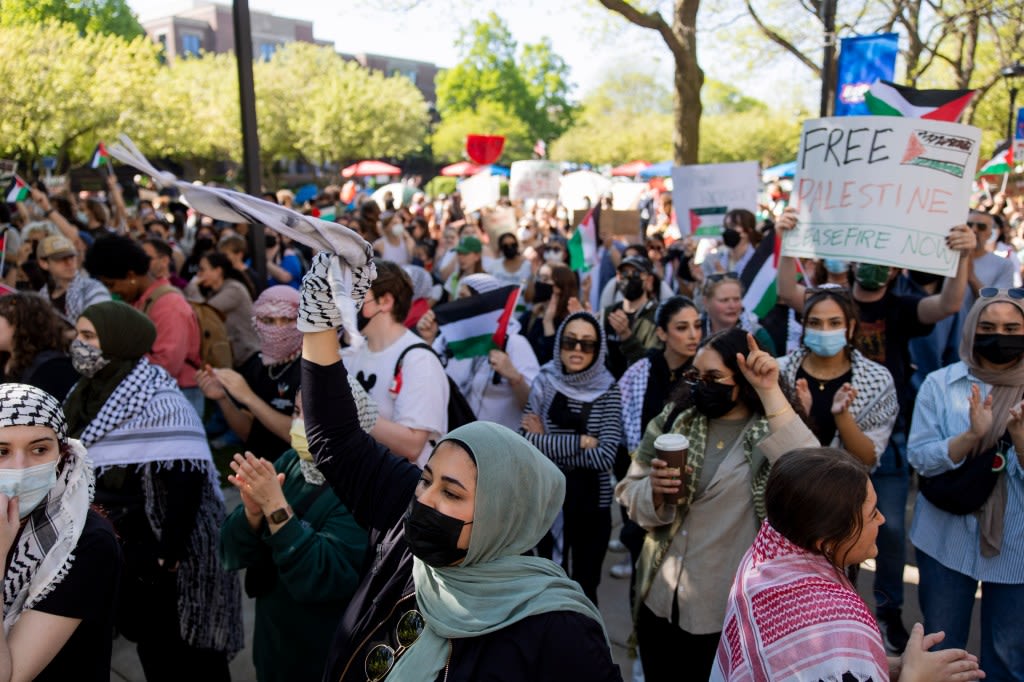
284,368
720,445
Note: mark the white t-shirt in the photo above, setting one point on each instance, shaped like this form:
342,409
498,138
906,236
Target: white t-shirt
419,401
519,277
489,401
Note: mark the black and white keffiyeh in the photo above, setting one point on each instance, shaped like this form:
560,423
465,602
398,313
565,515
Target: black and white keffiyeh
350,272
43,554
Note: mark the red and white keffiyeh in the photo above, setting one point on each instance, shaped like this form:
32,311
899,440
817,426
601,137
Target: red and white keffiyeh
791,616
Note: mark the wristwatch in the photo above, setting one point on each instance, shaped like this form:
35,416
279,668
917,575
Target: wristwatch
280,515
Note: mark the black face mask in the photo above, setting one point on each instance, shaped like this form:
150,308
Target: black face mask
510,250
433,537
202,245
713,400
730,237
632,288
542,292
363,320
1000,349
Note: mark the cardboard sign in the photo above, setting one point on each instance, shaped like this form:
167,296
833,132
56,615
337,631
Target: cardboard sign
534,180
497,221
7,170
882,189
620,223
479,191
702,195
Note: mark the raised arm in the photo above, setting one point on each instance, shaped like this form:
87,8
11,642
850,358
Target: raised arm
933,308
790,291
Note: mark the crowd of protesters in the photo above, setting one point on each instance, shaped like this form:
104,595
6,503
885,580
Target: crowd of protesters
380,539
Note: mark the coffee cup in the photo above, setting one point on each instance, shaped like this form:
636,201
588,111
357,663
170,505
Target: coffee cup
673,448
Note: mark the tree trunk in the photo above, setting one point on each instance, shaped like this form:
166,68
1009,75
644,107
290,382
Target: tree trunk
689,79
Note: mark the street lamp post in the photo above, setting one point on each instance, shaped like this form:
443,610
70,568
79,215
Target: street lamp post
1009,72
250,138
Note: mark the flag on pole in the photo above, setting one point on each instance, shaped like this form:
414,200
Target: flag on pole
759,277
100,156
888,99
17,191
540,149
583,243
477,325
1001,162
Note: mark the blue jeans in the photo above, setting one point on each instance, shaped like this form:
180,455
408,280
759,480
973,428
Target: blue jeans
892,482
196,399
947,599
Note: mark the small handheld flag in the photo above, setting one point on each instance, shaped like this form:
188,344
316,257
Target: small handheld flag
100,157
17,191
474,326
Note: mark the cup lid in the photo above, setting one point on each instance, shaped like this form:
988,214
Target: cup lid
672,441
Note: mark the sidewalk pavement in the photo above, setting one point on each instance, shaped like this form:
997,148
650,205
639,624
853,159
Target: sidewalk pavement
612,595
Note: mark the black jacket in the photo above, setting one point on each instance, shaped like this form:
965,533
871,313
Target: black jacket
377,487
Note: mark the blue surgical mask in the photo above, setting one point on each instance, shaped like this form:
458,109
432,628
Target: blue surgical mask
825,344
835,266
30,486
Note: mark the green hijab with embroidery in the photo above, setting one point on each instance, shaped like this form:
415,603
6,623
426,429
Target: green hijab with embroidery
519,492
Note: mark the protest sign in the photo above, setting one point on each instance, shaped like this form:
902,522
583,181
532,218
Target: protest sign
620,223
483,189
534,180
882,189
702,195
626,195
497,221
7,170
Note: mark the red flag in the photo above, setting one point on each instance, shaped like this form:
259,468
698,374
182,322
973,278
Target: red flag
484,149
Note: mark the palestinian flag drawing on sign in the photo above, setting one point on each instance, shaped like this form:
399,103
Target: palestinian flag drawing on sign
476,325
1000,164
708,221
16,191
99,156
945,153
888,99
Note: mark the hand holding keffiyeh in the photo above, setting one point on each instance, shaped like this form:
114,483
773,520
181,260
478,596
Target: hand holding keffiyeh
317,311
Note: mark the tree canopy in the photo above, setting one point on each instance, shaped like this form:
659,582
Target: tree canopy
113,17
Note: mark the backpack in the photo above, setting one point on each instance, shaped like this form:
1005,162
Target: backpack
214,344
459,411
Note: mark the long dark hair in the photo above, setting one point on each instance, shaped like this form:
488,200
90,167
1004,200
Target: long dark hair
218,260
844,300
565,279
727,344
37,328
815,498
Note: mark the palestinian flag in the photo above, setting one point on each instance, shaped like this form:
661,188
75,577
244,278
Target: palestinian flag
759,276
1001,162
17,191
476,325
583,244
888,99
99,156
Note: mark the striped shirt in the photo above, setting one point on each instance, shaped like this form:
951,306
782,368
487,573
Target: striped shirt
563,447
940,414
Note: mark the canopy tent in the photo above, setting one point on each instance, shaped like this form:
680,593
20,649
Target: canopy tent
631,169
658,170
461,169
783,170
364,168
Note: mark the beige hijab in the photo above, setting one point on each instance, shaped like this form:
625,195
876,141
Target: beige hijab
1007,391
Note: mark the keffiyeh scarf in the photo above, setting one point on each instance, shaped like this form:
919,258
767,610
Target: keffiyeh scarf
791,615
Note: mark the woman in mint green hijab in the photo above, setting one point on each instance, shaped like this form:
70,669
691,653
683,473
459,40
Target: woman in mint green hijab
448,594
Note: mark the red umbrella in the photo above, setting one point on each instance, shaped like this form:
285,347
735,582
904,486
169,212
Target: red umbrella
461,169
370,168
630,169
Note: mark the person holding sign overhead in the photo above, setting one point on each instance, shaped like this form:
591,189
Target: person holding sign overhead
887,323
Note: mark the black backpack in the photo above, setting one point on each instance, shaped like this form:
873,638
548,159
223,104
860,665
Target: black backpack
459,411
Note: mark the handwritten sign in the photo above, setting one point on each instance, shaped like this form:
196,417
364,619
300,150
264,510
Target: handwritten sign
882,189
480,191
8,168
702,195
534,180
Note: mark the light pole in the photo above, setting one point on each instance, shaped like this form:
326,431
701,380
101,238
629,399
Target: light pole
250,139
1009,72
827,13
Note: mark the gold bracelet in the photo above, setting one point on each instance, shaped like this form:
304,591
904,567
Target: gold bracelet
779,413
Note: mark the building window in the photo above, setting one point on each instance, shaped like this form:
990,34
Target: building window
267,51
191,44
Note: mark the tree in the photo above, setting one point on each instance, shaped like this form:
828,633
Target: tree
680,36
531,84
757,134
113,17
64,91
449,138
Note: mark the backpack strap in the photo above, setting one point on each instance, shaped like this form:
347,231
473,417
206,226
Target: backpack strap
156,294
425,346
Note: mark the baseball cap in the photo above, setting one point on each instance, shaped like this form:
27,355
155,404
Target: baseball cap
639,262
56,246
469,245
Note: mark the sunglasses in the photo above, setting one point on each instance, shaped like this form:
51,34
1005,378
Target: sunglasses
831,289
978,226
719,276
989,292
571,343
693,376
381,658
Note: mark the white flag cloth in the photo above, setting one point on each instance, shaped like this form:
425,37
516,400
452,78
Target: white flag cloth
349,282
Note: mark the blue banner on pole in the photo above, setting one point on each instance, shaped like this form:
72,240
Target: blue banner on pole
862,61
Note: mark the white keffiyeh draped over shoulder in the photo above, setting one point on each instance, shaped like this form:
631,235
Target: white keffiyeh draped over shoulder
353,270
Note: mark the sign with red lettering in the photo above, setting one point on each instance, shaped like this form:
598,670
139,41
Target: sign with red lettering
882,189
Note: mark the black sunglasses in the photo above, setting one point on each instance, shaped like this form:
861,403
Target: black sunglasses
833,289
719,276
571,343
989,292
693,376
381,658
978,226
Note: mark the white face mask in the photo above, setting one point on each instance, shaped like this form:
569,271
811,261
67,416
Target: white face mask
30,486
398,229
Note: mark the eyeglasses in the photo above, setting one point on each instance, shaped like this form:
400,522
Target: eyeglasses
989,292
978,225
693,376
381,658
585,345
